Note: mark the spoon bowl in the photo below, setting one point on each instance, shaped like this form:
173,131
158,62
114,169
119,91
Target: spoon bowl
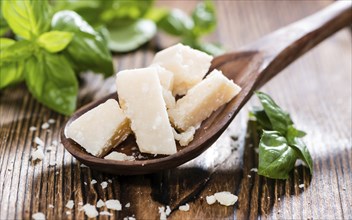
250,68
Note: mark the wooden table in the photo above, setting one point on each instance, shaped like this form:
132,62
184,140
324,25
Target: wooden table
316,90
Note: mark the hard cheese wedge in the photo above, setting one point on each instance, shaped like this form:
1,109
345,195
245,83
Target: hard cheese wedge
201,100
100,129
188,66
140,95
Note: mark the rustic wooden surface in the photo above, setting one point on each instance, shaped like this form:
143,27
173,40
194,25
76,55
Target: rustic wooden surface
316,90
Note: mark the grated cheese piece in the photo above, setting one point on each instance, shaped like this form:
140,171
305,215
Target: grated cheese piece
211,199
184,207
162,213
104,184
38,216
168,210
70,204
128,205
32,128
93,182
119,156
45,125
38,154
185,137
38,141
90,210
113,204
105,213
226,198
100,203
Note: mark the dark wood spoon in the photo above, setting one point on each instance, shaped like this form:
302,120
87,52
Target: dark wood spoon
250,68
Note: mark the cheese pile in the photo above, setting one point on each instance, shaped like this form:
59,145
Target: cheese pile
147,106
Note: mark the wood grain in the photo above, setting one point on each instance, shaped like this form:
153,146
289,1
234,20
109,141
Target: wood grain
316,90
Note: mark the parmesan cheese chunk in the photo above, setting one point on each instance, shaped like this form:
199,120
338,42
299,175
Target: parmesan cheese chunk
226,198
119,156
141,97
185,137
188,65
100,129
166,77
204,98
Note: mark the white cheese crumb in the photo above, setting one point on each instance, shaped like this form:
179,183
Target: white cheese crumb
167,211
211,199
113,204
105,213
254,170
100,203
85,183
119,156
184,208
93,182
162,213
51,121
83,166
32,128
249,176
186,137
129,218
51,206
128,205
80,203
45,125
38,154
301,185
70,204
109,180
104,184
226,198
38,141
90,210
68,213
38,216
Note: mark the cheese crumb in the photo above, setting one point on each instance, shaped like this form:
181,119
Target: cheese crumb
104,184
38,141
254,170
70,204
119,156
226,198
167,211
51,121
105,213
301,185
128,205
45,125
90,210
32,128
113,204
51,206
38,216
162,213
184,208
38,154
93,182
129,218
186,137
211,199
83,166
100,203
68,213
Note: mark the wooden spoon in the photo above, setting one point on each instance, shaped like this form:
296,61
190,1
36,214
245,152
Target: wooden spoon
250,68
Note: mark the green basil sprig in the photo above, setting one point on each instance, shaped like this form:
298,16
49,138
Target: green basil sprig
49,51
281,144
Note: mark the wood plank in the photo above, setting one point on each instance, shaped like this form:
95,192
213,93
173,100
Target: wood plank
316,90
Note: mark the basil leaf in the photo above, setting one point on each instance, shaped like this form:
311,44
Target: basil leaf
279,119
131,35
276,157
11,73
176,22
52,81
262,119
4,27
27,18
126,10
17,51
204,18
302,152
6,42
55,41
292,133
87,50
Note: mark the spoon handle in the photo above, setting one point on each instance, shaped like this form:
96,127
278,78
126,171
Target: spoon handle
285,45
